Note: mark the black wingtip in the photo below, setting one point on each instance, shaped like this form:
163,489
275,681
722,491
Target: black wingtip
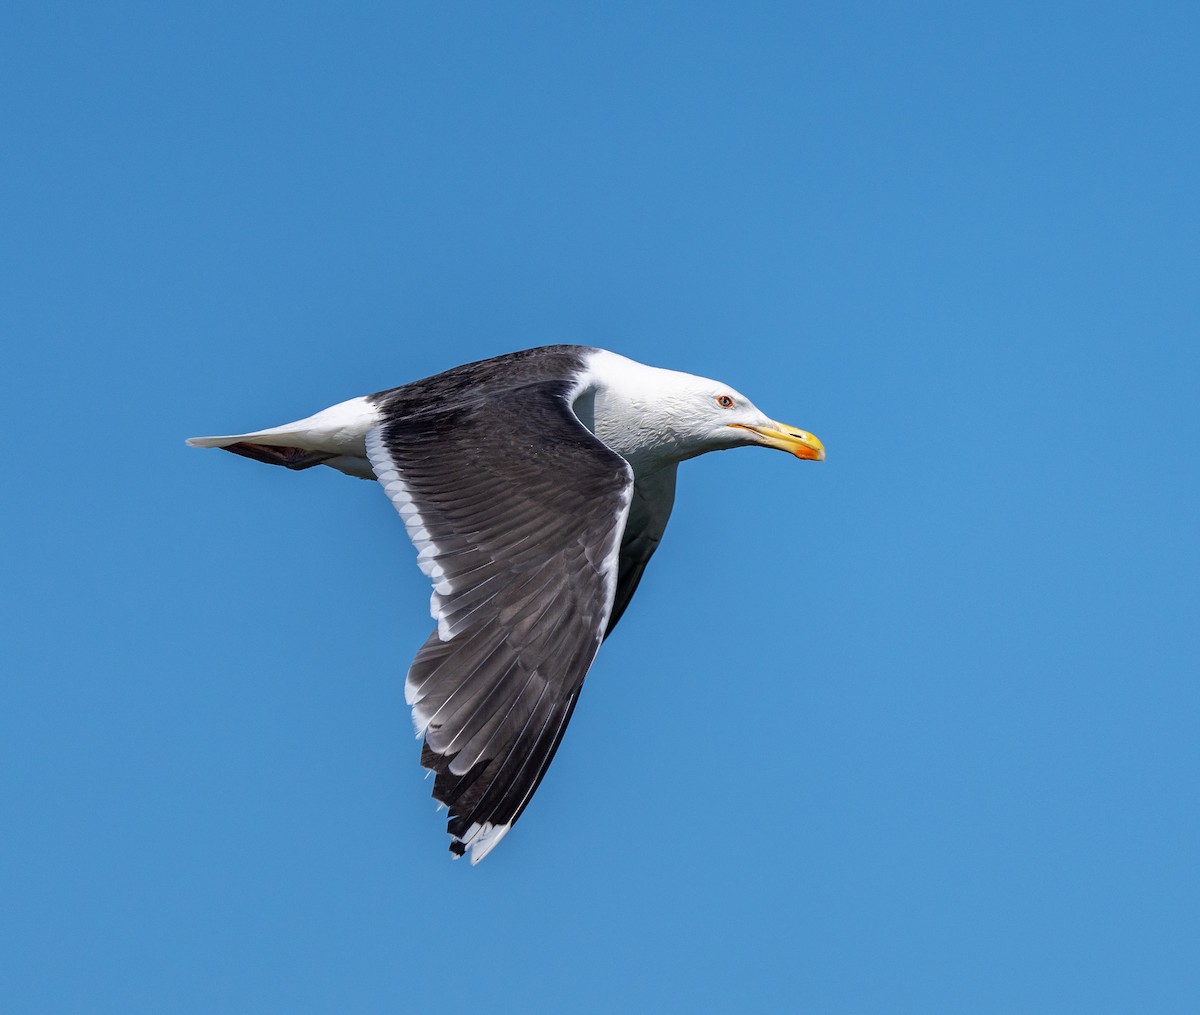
290,458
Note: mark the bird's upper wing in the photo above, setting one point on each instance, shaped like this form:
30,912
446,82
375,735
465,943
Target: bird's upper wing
517,512
649,511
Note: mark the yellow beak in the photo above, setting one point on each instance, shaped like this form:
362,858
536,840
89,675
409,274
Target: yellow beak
800,443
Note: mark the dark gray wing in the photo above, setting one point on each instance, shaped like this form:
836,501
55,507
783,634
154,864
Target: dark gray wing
649,511
517,513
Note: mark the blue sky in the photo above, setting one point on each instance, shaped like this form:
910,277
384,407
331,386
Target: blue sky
911,731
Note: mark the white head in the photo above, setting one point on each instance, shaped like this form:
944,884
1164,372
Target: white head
652,415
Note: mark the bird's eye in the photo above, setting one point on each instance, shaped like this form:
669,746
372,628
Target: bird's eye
724,401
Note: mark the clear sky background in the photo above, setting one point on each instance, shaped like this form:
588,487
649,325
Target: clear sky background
911,731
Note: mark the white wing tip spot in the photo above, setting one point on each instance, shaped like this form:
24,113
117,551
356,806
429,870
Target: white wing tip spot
482,839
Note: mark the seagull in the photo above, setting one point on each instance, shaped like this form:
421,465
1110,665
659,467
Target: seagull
535,487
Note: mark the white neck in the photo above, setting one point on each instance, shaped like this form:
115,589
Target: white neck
633,408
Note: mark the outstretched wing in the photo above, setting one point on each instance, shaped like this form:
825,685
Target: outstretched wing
517,513
649,511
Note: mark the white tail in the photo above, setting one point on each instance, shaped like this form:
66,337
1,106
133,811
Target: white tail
336,437
340,429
